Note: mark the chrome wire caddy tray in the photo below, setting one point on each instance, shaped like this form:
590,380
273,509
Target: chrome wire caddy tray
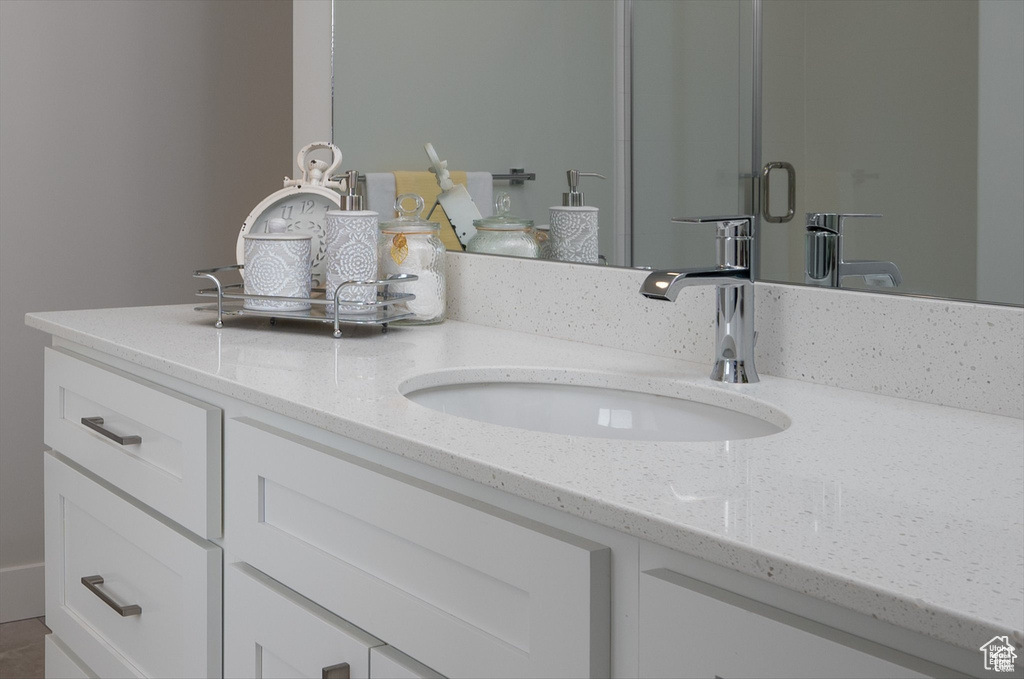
231,302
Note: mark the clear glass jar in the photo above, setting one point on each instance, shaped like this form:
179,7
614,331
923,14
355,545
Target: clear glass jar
412,245
504,234
542,234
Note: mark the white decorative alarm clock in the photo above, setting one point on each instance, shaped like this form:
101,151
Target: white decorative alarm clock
303,204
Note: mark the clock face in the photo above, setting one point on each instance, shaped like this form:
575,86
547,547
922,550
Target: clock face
304,211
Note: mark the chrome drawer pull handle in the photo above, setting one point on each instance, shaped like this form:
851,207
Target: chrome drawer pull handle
339,671
92,583
96,424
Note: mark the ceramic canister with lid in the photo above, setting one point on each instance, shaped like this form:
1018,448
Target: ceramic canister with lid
503,234
277,263
412,245
351,241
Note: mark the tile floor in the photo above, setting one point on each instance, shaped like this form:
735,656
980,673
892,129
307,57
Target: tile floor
21,649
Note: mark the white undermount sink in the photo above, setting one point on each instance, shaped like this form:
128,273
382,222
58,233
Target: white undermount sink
597,411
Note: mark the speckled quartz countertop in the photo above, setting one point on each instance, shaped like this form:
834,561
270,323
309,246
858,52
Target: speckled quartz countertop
905,511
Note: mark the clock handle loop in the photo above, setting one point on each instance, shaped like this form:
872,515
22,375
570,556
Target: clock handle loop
321,178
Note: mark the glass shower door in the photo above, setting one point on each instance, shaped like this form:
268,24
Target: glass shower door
876,105
691,125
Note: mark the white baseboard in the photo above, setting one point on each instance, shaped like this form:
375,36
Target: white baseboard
21,592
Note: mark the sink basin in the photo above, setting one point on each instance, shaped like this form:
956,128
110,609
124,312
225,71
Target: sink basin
598,411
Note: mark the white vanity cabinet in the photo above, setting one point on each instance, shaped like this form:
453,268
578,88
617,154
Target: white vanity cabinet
690,628
61,663
132,488
387,662
272,632
464,588
128,592
159,446
339,559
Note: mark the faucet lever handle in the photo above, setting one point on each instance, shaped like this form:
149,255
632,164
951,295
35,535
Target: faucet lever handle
835,221
732,226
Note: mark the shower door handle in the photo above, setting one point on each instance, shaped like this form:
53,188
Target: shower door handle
765,193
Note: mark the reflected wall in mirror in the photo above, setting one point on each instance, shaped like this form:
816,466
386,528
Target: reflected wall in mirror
906,109
912,110
493,86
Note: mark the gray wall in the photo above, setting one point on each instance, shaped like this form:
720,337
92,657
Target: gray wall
134,139
1000,152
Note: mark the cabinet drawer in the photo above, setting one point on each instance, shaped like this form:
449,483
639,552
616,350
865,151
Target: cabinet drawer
465,588
175,468
272,632
61,663
387,662
692,629
154,609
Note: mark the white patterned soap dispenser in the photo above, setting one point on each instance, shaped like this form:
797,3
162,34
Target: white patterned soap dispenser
573,230
351,251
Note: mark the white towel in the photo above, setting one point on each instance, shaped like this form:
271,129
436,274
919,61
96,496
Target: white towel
380,193
481,189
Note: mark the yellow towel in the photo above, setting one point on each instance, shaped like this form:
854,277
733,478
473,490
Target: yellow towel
425,185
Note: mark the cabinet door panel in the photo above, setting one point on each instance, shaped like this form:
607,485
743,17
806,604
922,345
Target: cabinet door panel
387,662
143,561
691,629
463,587
274,633
60,662
175,468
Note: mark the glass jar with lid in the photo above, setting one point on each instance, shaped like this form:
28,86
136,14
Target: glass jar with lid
503,234
412,245
542,234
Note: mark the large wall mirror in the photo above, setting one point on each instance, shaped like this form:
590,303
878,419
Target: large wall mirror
911,110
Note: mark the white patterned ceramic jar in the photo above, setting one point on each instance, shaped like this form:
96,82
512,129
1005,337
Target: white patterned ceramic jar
573,234
412,245
352,256
277,263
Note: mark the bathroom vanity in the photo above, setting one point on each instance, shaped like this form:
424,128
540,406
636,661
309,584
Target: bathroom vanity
287,511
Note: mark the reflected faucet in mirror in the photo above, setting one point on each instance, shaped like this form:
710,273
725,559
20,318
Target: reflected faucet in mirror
825,265
734,283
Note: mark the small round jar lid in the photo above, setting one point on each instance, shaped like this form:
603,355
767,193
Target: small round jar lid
502,220
277,229
408,220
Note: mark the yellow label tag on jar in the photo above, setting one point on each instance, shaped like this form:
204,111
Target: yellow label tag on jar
399,248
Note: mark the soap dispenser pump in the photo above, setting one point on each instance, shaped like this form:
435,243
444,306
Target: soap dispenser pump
573,230
351,201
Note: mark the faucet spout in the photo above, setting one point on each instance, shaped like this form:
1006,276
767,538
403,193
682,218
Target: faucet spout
734,291
869,269
665,285
825,265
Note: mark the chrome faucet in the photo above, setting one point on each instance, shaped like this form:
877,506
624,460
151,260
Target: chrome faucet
825,265
734,322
